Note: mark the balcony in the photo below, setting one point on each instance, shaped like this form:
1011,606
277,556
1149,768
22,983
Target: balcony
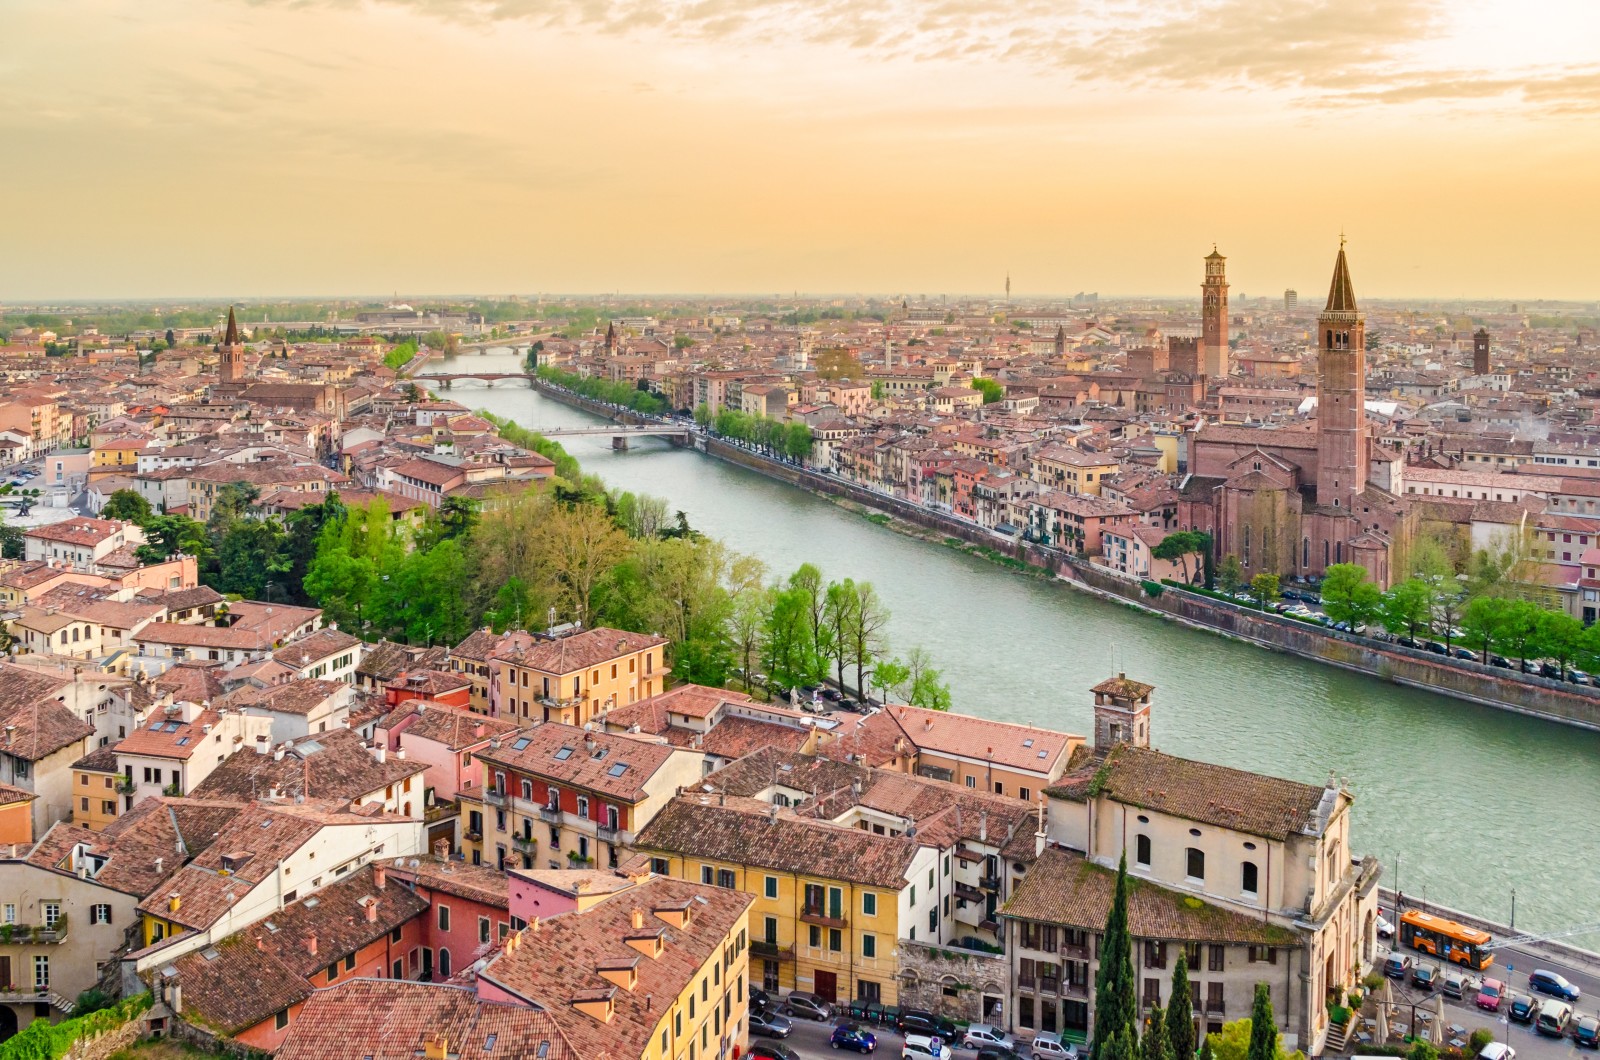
33,935
991,925
525,844
1027,982
551,814
45,996
969,893
608,833
495,797
771,951
1069,988
989,881
1049,984
815,914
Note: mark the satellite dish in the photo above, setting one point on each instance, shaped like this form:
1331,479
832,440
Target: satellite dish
415,863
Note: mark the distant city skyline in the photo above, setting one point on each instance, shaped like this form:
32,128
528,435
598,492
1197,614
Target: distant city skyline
301,148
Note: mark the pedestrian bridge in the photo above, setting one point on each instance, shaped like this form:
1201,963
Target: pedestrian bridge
486,378
620,434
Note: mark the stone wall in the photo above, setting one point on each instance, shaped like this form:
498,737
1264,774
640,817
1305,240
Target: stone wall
962,984
212,1043
103,1045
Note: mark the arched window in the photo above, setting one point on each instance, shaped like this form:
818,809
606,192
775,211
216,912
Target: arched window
1141,851
1338,551
1248,877
1194,863
444,963
527,790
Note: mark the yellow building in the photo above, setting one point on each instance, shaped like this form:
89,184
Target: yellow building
96,796
1071,470
572,678
830,902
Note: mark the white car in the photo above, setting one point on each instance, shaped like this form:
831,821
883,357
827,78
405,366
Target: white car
1497,1051
983,1036
924,1047
1051,1047
1385,929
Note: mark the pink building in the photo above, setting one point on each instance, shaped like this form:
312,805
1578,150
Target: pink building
445,739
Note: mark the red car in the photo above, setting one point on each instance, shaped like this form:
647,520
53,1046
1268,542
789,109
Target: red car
1489,994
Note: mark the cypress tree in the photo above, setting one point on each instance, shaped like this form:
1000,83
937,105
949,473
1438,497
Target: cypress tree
1115,1007
1205,1048
1153,1046
1120,1045
1180,1013
1263,1031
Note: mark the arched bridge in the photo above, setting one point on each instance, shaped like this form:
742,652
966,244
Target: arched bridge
621,434
487,378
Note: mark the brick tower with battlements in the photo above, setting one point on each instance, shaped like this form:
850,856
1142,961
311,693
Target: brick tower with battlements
1214,317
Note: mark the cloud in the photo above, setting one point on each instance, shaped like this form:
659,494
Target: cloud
1320,52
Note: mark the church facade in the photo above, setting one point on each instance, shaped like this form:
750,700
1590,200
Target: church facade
1294,501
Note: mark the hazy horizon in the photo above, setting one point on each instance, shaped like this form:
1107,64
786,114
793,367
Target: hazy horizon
724,145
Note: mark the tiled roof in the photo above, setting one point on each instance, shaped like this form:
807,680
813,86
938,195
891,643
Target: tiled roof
387,1019
1065,888
233,985
164,737
296,697
11,795
556,961
333,765
78,531
580,651
1014,746
738,736
480,883
317,645
444,725
142,847
747,832
1123,688
36,725
574,757
336,921
193,681
1270,807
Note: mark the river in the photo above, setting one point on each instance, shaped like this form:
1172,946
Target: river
1463,803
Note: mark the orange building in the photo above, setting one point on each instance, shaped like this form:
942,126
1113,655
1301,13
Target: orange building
572,678
16,815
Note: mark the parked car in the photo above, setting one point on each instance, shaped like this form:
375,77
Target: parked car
915,1021
1424,976
1577,677
1586,1032
1396,965
1553,1018
1453,984
1435,647
1490,991
1465,653
1501,661
771,1051
1497,1051
1385,929
807,1006
1523,1008
1546,982
853,1036
771,1024
924,1047
1049,1046
983,1035
760,1000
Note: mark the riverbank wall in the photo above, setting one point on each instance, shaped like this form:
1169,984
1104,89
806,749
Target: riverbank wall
1534,696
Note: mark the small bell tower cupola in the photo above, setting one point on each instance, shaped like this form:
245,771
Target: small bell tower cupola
1121,713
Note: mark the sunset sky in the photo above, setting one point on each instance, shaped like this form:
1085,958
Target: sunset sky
239,148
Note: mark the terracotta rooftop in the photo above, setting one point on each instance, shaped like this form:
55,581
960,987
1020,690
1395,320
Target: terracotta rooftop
1021,747
386,1019
580,651
232,985
570,756
327,765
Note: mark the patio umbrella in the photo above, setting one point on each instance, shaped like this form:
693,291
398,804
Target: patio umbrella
1436,1027
1385,1001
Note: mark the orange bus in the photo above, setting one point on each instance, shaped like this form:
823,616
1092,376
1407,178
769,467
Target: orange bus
1446,939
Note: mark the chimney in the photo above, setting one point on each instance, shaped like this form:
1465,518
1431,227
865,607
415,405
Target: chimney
372,911
277,753
261,944
436,1047
311,944
158,865
983,826
380,877
380,753
174,902
175,997
11,735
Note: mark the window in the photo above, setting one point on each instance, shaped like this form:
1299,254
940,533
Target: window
770,930
583,806
659,866
1247,877
1155,954
708,875
1024,794
972,782
444,918
281,1020
483,929
1194,863
1214,1002
835,940
100,914
869,945
1141,851
815,937
527,790
1152,991
1216,958
771,887
933,920
52,913
869,904
726,878
350,962
9,914
1263,953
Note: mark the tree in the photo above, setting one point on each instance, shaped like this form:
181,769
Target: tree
1263,1031
1180,1012
1520,635
250,557
1408,607
892,674
1264,587
924,687
797,441
1448,603
127,505
1178,546
1153,1045
991,390
807,580
1115,1005
1484,623
702,415
584,545
12,543
169,535
839,614
871,618
790,656
1121,1046
1231,575
1560,637
1347,595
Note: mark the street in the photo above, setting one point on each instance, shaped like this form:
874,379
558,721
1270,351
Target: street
810,1040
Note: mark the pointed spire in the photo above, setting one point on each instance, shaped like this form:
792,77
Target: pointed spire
231,338
1341,293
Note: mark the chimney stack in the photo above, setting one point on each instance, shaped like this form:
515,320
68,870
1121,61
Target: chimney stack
311,945
380,877
372,911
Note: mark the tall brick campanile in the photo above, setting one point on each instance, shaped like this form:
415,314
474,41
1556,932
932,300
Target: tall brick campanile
231,365
1214,317
1341,394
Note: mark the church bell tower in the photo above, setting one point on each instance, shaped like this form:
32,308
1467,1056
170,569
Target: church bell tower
1341,393
1121,713
231,366
1214,316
